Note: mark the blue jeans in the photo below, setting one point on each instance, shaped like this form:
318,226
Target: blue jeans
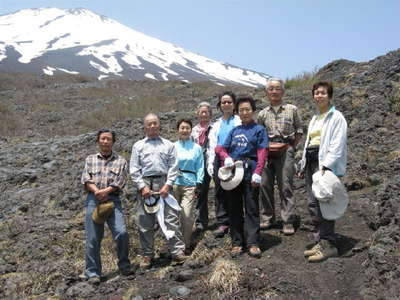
95,233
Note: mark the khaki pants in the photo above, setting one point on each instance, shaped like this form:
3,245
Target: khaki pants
146,223
185,197
280,169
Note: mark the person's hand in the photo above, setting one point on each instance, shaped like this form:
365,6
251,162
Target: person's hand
300,175
164,191
146,192
255,180
228,162
101,195
210,170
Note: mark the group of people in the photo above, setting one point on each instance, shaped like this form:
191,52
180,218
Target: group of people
244,155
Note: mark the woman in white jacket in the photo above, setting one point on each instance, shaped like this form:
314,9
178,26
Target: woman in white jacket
218,133
325,149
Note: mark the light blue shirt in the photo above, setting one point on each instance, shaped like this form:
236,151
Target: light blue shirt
225,128
190,163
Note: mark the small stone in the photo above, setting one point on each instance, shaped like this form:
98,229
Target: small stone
181,291
184,275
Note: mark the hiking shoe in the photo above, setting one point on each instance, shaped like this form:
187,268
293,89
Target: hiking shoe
313,250
288,229
324,253
146,262
255,251
179,259
95,280
221,231
128,271
164,252
200,227
236,251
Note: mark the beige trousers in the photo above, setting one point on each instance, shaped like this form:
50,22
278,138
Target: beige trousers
185,196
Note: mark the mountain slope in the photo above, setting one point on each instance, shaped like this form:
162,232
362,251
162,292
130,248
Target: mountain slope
51,40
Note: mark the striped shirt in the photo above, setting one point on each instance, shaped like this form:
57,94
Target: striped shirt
284,123
153,157
105,172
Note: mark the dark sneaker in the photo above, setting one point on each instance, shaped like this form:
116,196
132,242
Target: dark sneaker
146,262
221,231
94,280
327,250
179,259
255,251
128,271
288,229
236,251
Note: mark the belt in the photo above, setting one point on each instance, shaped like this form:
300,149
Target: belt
188,171
280,140
154,176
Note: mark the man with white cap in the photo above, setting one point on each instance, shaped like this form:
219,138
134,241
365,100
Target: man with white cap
154,168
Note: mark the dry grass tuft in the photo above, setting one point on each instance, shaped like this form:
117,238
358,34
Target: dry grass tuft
162,272
225,277
130,293
205,255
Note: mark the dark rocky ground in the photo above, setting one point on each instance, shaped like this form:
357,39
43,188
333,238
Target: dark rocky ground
42,149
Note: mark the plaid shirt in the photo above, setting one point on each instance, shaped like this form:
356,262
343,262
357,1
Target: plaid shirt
105,172
284,123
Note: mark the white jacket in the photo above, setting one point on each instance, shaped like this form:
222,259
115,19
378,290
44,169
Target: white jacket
213,140
333,148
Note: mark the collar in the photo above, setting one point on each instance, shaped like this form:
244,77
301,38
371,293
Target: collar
185,142
152,139
283,106
252,122
111,157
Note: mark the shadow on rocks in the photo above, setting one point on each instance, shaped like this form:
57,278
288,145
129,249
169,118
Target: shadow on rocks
268,241
345,245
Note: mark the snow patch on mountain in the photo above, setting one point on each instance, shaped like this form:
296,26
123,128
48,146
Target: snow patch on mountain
107,47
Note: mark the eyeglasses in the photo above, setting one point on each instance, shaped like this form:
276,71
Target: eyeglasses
226,102
278,89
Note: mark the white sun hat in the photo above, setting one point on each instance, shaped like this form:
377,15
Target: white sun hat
231,176
331,194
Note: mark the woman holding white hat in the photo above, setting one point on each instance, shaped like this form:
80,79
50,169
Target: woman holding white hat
244,147
325,149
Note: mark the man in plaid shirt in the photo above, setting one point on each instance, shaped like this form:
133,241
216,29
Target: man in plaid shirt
104,177
283,125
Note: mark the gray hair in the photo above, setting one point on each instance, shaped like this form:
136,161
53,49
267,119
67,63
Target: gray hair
150,115
275,79
205,104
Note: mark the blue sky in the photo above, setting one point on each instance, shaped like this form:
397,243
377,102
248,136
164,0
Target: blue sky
281,38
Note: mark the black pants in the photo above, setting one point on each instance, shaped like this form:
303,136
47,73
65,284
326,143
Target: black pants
202,200
244,214
323,229
221,206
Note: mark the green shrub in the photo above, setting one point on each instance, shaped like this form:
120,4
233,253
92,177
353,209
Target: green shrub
302,79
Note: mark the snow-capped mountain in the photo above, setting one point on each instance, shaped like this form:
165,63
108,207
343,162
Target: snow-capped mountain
78,41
